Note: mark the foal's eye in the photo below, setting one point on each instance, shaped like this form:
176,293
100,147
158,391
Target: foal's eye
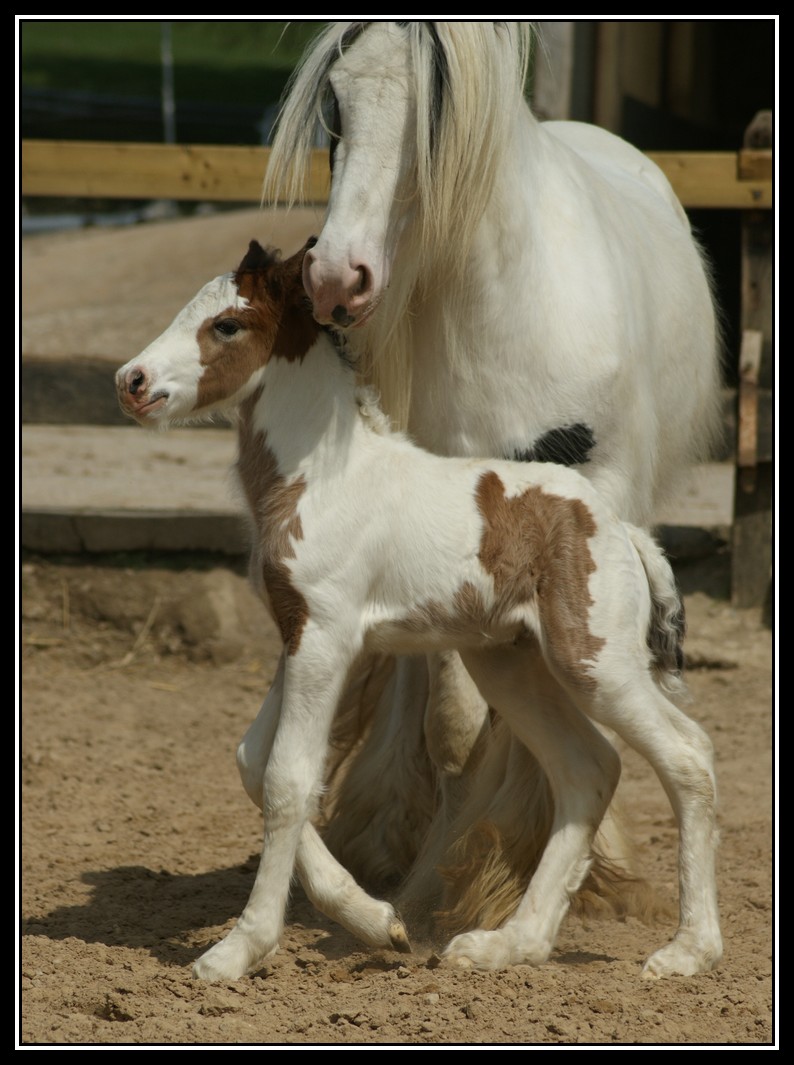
227,327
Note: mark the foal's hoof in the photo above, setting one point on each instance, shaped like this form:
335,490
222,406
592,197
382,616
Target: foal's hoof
444,961
399,937
477,950
231,959
683,957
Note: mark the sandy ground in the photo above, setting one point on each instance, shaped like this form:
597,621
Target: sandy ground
139,674
139,846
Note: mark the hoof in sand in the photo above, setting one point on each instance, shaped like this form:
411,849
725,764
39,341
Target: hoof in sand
399,938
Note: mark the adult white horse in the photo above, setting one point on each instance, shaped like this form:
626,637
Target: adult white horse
458,223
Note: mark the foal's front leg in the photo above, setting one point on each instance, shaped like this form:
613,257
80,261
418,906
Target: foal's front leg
312,684
328,885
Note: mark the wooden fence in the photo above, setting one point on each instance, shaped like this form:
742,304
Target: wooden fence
202,172
741,180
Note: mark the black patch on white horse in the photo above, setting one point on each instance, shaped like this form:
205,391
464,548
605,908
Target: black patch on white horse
570,445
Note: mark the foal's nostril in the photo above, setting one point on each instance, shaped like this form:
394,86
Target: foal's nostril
137,381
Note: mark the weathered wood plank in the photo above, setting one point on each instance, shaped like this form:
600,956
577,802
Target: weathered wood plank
207,172
749,370
712,179
753,528
154,171
755,165
752,537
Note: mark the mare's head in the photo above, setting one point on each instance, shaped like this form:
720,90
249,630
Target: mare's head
419,116
214,352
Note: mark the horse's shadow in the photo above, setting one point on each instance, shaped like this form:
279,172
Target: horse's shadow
175,917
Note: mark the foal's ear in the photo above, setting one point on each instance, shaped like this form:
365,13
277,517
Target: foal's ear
297,329
291,270
256,258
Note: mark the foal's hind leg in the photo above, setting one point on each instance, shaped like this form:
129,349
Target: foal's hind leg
332,889
583,770
255,747
681,755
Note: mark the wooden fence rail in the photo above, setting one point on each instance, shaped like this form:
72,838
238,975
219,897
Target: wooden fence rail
205,172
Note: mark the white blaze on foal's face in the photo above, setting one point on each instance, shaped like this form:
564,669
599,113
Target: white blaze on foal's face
212,355
197,364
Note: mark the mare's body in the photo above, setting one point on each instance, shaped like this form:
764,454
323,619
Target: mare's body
515,289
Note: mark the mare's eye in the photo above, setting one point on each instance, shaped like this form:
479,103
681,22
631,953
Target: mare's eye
333,124
227,327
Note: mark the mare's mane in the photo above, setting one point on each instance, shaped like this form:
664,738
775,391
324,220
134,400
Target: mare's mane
468,80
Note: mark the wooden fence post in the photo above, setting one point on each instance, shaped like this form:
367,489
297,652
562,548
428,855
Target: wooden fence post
751,549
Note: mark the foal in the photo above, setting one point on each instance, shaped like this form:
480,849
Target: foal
565,617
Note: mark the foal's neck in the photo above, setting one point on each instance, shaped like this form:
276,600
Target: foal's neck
304,415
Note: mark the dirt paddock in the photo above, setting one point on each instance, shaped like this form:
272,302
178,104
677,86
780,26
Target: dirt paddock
138,676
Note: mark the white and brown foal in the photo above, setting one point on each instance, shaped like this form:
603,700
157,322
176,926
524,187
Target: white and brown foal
565,617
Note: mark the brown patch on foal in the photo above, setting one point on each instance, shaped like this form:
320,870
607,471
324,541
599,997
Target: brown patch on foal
276,323
535,547
281,305
273,502
229,363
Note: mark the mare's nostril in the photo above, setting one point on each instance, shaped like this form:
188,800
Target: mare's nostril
341,316
365,282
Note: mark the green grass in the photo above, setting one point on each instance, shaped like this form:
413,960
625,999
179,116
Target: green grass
240,64
122,57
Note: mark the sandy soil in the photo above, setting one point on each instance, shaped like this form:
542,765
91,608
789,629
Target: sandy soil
139,846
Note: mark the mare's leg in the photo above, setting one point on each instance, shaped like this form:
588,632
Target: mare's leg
454,718
457,732
384,803
582,768
254,749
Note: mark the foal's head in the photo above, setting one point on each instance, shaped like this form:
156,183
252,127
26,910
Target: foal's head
214,352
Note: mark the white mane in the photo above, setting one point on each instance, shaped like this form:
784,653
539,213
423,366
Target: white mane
469,84
371,411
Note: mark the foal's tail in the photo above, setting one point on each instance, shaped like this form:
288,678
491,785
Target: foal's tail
667,622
